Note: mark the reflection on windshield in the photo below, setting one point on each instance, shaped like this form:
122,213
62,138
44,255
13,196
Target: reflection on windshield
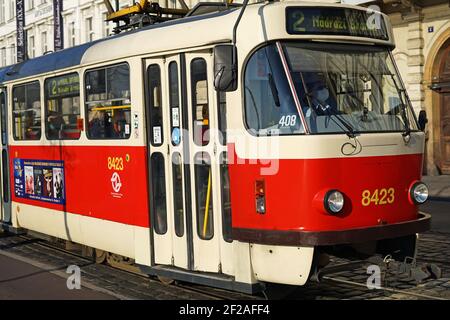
346,89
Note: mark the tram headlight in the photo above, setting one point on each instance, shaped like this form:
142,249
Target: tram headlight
334,201
419,192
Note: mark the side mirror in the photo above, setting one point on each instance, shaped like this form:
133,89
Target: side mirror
423,120
225,69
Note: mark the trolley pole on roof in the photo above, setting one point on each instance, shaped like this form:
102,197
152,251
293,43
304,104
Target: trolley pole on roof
117,9
142,13
108,6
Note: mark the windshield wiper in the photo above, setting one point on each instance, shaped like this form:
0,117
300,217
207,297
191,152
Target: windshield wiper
400,92
350,132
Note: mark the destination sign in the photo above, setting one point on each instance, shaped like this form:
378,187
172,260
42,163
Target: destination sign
336,21
62,86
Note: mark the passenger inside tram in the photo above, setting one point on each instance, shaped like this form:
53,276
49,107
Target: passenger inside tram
55,125
95,123
119,124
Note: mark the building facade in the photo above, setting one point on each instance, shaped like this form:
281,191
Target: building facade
84,21
421,30
422,35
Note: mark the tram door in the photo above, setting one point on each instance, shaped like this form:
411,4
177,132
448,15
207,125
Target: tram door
183,180
205,181
165,175
4,165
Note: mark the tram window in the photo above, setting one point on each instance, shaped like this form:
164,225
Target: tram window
222,103
27,111
226,197
177,181
3,116
5,177
269,105
62,107
174,101
155,104
203,185
159,193
200,112
108,102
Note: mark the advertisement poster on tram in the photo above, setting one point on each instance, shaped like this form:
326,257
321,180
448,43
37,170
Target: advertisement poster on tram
40,180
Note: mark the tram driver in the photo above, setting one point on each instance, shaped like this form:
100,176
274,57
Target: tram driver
321,102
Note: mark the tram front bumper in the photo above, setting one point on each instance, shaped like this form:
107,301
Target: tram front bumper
334,237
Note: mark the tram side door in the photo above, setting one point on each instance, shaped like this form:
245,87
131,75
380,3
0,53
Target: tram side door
184,203
205,181
166,162
4,165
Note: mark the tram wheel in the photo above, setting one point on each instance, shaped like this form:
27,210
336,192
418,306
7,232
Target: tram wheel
166,281
100,256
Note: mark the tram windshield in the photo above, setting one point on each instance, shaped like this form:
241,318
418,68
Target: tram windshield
344,88
341,89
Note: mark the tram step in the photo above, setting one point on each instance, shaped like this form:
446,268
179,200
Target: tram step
203,278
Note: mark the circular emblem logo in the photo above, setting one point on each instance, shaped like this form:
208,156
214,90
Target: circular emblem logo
115,181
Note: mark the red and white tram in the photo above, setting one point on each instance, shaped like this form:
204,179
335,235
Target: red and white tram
309,147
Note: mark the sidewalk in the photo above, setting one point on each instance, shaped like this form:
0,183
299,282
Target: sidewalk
439,186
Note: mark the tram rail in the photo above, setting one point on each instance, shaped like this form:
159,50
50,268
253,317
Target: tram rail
218,294
209,293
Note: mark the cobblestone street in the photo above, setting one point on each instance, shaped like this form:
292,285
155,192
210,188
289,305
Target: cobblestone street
118,284
43,264
433,248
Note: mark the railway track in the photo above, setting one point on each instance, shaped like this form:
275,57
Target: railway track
325,288
385,289
207,292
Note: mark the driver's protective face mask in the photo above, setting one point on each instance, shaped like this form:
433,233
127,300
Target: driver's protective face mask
323,94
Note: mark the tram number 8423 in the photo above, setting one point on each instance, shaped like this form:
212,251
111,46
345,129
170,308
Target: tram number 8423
378,197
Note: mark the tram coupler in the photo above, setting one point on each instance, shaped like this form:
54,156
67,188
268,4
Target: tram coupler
419,273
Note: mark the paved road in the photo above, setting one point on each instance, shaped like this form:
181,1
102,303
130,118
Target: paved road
440,214
20,280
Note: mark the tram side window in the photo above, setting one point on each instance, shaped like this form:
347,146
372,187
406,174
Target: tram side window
203,185
62,107
226,197
177,181
3,116
158,191
27,111
199,85
222,114
174,102
108,102
155,104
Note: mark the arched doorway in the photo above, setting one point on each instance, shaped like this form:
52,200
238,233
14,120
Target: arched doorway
441,85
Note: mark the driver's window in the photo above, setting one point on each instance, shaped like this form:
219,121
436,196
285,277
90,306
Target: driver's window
269,106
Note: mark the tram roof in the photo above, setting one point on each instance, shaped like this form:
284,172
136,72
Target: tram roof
46,63
74,56
195,31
